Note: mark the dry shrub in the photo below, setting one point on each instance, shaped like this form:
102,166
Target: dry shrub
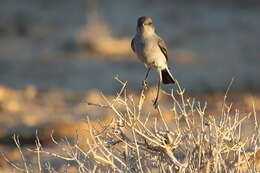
134,141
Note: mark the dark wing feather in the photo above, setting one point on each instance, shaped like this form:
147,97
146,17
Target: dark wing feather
163,48
133,45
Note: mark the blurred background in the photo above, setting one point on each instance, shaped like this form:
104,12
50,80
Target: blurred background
56,55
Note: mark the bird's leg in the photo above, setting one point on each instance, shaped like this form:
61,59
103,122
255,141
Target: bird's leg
157,95
145,81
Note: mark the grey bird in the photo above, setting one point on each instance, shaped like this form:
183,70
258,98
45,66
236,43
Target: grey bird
152,51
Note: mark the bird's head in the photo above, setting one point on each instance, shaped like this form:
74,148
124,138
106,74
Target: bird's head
145,25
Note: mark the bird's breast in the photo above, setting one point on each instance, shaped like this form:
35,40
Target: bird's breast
146,46
149,53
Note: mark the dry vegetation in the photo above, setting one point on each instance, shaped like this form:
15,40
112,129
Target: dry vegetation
41,129
183,138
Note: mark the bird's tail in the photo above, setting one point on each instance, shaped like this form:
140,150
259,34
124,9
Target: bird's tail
167,77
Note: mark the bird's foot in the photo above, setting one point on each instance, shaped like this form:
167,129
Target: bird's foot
145,84
156,103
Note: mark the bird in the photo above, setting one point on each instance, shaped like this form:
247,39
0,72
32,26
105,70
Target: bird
151,50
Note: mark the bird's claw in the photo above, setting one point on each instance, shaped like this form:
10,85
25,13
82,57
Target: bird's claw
145,84
155,103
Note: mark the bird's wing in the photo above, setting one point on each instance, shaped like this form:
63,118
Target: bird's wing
163,47
133,45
